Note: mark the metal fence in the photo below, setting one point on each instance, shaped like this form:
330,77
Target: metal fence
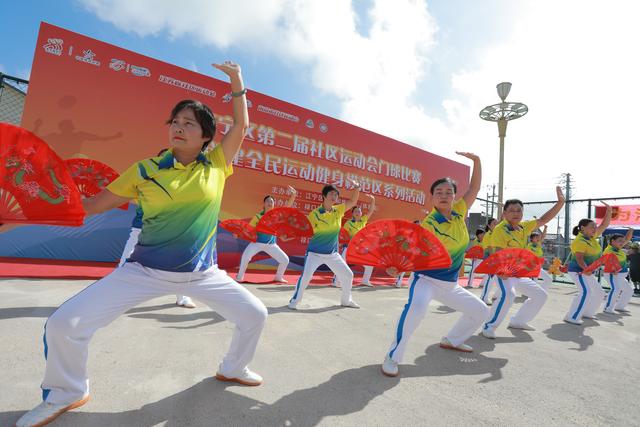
13,91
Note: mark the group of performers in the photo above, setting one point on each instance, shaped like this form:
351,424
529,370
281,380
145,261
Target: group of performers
179,194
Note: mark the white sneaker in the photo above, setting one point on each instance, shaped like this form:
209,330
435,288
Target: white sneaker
489,333
185,302
390,367
292,306
350,304
523,326
368,284
623,310
446,344
609,311
584,316
247,377
573,322
239,279
46,412
280,280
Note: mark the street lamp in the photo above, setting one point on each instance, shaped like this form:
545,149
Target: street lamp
502,113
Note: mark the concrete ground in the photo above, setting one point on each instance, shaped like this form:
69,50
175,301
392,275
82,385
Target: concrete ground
154,365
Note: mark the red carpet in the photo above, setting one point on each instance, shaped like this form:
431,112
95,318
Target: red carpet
60,269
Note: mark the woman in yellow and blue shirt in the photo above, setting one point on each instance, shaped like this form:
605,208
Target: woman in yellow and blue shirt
621,290
353,225
267,242
585,249
326,221
180,194
447,222
535,246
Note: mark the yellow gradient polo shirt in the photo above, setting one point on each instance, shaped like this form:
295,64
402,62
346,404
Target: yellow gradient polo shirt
589,247
454,236
352,226
180,205
326,229
507,236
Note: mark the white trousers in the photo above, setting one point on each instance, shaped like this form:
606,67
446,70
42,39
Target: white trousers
273,250
487,282
337,265
590,296
422,290
546,279
366,275
474,264
401,276
132,241
621,291
70,328
536,297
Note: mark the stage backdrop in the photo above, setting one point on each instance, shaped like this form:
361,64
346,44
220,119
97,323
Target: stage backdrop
91,99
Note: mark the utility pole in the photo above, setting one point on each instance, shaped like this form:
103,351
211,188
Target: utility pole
566,177
493,197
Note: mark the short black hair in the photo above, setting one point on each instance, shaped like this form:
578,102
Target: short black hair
204,117
534,234
489,221
355,207
480,231
442,181
512,202
328,188
615,237
581,224
267,197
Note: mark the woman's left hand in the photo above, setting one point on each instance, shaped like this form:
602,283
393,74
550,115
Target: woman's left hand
231,69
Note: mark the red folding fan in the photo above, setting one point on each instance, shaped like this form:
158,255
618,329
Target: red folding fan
397,246
344,237
91,176
475,252
285,221
610,263
35,185
512,262
240,228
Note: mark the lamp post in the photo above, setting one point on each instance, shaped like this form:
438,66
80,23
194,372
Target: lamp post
502,113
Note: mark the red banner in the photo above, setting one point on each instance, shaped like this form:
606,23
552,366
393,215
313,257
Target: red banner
91,99
621,215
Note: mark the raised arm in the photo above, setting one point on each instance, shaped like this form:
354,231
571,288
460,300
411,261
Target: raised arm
372,207
476,179
233,139
292,196
628,236
544,234
354,196
605,221
551,213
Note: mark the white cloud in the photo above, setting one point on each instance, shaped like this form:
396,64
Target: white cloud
573,62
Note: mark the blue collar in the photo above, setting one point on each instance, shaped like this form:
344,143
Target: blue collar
435,214
168,160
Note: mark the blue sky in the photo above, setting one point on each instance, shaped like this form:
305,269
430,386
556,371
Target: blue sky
415,70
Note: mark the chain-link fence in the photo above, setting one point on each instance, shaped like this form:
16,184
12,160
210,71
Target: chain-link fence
13,91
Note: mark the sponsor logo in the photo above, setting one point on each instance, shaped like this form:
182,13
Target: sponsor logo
88,57
53,46
117,64
324,128
187,86
278,113
309,123
139,71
